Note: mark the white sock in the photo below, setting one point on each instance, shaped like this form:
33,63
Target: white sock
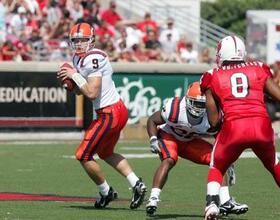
224,194
155,192
132,178
104,188
213,188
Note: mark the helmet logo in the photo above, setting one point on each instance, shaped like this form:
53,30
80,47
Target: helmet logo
79,34
234,40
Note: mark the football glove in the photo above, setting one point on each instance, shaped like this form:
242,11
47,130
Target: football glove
155,148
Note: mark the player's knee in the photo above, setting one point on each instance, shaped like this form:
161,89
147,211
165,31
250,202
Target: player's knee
169,162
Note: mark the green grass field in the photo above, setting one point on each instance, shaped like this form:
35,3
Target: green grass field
47,169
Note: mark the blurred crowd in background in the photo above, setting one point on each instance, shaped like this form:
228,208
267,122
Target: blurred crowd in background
37,30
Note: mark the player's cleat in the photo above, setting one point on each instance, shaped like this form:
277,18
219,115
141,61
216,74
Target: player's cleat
151,207
103,201
232,207
138,194
211,212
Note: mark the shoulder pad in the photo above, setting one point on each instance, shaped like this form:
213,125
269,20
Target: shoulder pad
174,110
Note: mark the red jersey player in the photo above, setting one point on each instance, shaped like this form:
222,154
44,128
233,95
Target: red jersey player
177,131
237,88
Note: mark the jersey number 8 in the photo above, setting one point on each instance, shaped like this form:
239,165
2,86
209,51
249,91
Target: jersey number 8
239,85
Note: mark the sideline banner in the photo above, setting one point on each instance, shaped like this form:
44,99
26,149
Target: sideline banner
143,94
36,100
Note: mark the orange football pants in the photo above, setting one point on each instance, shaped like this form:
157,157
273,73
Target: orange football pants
196,150
103,133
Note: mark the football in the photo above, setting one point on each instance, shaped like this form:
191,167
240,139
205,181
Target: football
68,84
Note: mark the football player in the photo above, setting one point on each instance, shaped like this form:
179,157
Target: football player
177,130
93,78
237,88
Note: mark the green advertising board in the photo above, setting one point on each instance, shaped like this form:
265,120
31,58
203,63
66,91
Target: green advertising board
143,94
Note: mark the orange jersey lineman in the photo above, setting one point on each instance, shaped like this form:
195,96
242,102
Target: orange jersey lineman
177,123
178,137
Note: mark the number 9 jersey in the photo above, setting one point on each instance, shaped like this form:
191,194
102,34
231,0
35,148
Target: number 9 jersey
239,88
95,63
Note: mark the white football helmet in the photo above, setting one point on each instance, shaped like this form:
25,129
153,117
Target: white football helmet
230,48
195,100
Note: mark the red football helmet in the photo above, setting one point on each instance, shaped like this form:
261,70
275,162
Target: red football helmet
195,100
82,37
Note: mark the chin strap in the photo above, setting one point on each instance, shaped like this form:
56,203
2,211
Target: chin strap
194,120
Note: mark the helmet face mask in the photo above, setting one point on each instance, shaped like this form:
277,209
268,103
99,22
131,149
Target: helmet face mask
82,37
81,45
195,107
195,101
230,48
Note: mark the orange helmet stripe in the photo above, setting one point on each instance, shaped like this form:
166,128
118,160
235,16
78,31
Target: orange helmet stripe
194,90
81,30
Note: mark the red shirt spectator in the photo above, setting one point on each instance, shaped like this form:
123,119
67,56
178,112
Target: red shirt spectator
147,25
104,30
110,15
181,44
32,23
24,50
8,51
42,4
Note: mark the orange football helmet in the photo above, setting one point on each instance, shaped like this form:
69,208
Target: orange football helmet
195,100
82,37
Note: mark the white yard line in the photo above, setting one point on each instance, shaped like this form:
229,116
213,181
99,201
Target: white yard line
247,154
128,156
36,142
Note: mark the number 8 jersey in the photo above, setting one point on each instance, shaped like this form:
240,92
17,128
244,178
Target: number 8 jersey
95,63
238,88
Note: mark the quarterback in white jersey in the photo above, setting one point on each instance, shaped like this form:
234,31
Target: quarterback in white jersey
177,130
95,63
92,74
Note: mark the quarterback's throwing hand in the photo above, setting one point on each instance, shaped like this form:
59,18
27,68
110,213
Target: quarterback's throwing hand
155,148
66,71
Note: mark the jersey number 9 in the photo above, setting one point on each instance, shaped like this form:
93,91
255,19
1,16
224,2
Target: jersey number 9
95,64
